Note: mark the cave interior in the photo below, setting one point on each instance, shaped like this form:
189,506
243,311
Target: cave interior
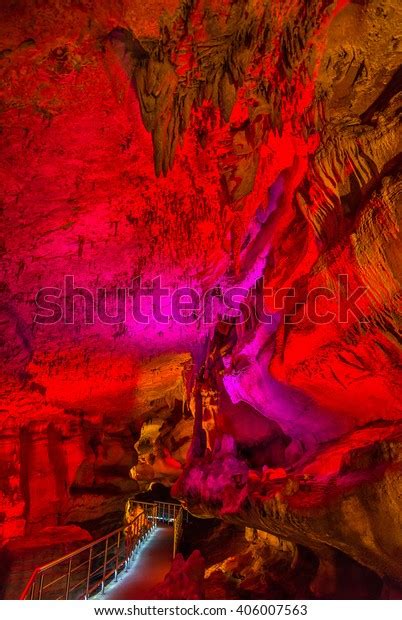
219,148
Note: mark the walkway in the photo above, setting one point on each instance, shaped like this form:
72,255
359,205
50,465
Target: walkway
146,570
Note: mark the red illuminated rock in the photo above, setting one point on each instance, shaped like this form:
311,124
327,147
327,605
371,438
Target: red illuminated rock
212,145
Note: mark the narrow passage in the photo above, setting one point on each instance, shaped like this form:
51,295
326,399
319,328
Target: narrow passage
146,570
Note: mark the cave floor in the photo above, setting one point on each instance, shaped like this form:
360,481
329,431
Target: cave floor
146,571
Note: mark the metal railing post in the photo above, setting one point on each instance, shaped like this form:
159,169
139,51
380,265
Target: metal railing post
127,545
117,556
88,573
104,565
67,594
40,587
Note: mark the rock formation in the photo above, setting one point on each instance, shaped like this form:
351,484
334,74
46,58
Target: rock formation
213,144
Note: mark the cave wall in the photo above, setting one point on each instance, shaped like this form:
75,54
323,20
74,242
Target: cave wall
211,143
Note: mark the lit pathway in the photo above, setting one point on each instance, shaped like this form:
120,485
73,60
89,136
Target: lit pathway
146,571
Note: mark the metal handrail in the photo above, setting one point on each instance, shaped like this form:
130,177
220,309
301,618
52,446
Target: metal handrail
117,552
166,511
130,535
